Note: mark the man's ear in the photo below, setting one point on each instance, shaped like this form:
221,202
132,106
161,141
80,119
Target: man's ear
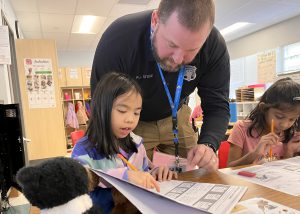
154,19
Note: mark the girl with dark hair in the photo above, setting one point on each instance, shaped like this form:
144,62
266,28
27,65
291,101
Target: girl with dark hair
252,138
115,112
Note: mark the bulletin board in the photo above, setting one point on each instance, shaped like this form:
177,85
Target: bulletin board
266,66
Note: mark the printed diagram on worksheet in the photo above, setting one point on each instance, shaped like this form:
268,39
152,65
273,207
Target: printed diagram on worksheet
281,175
262,206
209,197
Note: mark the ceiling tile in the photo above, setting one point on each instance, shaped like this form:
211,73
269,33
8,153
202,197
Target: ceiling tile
56,22
243,14
56,16
94,44
143,2
29,21
122,9
278,8
57,6
81,42
153,4
58,37
26,6
223,8
285,13
32,34
107,22
95,7
290,2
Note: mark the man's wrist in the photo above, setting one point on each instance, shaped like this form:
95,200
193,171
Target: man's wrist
210,146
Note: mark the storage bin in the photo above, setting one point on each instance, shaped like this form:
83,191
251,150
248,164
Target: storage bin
233,112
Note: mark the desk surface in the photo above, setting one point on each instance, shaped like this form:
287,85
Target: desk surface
254,190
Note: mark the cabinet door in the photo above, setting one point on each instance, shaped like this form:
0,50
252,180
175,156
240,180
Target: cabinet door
62,81
73,76
43,123
86,76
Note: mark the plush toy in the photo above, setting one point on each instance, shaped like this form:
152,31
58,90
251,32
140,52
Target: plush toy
58,185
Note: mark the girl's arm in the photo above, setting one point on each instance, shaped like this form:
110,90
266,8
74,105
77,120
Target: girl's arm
237,141
143,179
235,157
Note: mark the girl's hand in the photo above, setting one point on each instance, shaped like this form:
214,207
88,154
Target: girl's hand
265,142
293,146
163,173
143,179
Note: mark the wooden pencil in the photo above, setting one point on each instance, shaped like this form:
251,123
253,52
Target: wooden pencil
127,162
272,131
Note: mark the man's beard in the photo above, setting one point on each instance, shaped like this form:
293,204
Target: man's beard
165,62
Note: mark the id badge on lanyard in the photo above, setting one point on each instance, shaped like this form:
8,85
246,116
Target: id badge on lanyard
174,106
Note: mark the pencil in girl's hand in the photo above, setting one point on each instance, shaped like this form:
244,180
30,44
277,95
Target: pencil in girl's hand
127,162
272,131
272,126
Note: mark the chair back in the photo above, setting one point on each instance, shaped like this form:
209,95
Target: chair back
223,153
76,135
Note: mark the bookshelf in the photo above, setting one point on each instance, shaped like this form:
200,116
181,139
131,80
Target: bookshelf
243,109
74,95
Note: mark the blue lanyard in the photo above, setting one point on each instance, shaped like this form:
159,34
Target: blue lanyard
174,105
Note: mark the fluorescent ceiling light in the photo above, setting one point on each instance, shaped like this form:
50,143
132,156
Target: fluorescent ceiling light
87,24
234,27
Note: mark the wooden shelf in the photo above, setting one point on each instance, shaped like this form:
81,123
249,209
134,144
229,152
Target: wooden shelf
248,94
83,93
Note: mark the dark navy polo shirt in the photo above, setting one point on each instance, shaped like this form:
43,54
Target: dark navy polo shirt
125,47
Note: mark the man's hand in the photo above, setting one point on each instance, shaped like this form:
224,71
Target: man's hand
204,157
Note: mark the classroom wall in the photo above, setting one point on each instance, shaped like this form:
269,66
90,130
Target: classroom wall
284,33
75,59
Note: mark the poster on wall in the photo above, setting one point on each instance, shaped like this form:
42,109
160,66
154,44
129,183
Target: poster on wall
73,73
266,66
39,83
4,46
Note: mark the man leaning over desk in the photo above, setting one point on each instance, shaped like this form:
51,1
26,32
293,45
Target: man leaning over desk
176,45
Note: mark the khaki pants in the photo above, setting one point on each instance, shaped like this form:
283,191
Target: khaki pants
160,134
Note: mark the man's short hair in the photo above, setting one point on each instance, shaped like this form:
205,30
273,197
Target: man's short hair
192,14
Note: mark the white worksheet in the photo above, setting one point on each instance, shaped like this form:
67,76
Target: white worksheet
281,175
179,196
262,206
